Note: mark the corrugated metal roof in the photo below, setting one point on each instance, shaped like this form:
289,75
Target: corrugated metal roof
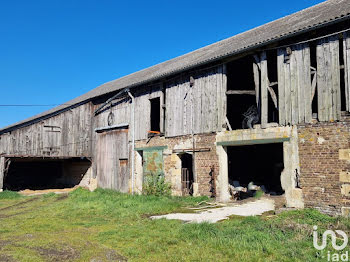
307,19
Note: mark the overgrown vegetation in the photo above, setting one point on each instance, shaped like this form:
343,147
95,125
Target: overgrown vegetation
155,185
109,226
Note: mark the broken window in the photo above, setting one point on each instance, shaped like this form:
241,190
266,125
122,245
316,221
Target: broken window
155,114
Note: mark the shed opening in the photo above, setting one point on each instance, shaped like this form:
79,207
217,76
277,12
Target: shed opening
254,168
39,174
187,174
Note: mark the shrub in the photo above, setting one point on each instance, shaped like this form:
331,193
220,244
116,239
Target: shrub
154,184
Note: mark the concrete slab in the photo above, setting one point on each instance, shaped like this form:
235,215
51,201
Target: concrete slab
254,208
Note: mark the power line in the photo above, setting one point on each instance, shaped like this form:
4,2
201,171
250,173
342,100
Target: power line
32,105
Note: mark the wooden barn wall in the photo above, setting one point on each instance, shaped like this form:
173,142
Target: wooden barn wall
299,83
66,134
294,85
201,107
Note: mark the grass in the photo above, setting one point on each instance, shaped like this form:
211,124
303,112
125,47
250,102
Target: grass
109,226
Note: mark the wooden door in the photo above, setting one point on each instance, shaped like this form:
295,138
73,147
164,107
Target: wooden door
112,164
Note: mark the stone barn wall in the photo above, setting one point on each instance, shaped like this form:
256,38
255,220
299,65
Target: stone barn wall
324,150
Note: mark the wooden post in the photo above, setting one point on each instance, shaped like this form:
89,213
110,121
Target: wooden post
2,172
264,87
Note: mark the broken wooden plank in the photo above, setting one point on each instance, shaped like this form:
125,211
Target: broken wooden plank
256,80
264,88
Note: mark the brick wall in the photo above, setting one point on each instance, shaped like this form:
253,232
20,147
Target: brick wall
203,160
324,165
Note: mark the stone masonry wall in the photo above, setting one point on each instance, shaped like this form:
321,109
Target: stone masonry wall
324,153
172,164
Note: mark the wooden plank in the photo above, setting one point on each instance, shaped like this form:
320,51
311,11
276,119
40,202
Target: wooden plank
224,89
219,99
281,86
335,76
321,81
264,87
256,74
241,92
300,83
294,88
287,92
328,81
307,83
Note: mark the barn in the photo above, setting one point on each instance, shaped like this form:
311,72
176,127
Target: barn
269,106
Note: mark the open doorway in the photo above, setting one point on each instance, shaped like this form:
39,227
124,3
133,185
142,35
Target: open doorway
187,174
41,174
241,97
253,168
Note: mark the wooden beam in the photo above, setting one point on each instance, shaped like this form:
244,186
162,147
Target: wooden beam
241,92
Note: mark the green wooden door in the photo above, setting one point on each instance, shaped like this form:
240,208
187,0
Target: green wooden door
153,162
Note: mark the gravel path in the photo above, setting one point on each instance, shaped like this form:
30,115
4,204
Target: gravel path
214,215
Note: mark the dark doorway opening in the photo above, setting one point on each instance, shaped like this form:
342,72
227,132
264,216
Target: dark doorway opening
39,174
241,99
187,174
258,165
155,114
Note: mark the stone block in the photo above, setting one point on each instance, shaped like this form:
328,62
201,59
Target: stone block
344,154
345,189
344,177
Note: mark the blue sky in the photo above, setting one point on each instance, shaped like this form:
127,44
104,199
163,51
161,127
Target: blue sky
53,51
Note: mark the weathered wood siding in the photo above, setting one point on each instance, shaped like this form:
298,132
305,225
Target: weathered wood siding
294,85
201,107
112,160
66,134
328,79
120,109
